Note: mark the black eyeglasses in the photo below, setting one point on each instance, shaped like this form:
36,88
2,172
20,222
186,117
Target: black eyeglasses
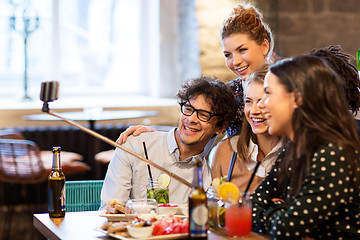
202,115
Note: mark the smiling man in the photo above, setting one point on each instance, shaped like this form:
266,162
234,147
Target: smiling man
207,106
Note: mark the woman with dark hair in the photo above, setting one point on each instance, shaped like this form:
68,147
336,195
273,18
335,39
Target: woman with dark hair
313,189
340,63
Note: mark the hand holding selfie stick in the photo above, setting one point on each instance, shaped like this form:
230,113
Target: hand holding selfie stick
49,93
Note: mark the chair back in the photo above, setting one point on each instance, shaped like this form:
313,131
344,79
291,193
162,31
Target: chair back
20,162
83,195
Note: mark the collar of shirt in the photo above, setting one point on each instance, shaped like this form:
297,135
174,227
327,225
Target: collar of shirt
267,162
174,150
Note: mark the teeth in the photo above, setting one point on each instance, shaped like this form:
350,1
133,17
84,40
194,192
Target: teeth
258,119
267,115
190,129
242,68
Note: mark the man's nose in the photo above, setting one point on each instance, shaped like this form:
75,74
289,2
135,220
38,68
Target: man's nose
193,117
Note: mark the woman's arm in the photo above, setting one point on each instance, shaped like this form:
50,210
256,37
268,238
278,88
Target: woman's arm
134,130
220,157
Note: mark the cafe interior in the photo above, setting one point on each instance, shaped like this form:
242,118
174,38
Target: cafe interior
120,63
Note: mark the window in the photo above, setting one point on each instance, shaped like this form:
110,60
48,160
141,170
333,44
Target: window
90,46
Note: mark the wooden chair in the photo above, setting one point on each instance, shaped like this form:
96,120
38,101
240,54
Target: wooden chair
24,170
20,162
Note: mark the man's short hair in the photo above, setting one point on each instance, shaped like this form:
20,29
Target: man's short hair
218,93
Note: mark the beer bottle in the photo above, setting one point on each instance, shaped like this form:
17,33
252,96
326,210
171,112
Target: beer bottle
56,187
198,211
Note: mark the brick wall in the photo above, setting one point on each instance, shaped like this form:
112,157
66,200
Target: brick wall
298,26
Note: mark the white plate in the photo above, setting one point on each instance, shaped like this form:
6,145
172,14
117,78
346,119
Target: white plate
114,217
170,236
122,217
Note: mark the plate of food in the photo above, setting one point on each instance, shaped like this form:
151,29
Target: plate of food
114,211
164,227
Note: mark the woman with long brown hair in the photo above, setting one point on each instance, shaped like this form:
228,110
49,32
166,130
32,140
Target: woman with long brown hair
313,189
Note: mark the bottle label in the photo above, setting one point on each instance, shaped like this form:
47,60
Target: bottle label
62,200
199,219
50,200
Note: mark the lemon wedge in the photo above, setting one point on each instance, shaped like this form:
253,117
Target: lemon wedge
216,183
164,180
228,190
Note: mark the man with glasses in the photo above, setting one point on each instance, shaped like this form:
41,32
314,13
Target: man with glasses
207,107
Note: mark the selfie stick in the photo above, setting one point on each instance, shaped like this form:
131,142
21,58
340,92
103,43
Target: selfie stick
49,93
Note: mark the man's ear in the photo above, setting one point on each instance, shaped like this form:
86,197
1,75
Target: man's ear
222,128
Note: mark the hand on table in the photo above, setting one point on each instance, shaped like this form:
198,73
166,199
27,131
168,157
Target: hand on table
134,130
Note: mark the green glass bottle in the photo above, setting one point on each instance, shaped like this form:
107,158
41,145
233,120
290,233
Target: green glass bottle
56,187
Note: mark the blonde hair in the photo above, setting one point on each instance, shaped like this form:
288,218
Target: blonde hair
246,133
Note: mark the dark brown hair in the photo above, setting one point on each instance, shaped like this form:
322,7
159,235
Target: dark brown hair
247,19
322,117
340,63
218,93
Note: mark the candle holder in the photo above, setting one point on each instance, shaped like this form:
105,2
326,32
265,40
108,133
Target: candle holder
29,24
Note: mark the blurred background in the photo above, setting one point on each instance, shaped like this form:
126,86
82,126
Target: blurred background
120,55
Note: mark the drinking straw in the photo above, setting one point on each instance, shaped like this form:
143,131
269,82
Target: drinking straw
231,167
252,177
148,166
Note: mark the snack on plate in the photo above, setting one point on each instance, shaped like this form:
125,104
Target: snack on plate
156,225
115,206
119,228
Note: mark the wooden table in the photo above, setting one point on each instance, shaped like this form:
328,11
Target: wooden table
84,225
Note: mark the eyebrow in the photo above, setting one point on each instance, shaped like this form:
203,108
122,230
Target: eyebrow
198,109
239,47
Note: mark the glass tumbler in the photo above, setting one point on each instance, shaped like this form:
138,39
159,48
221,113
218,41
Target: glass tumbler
137,207
238,215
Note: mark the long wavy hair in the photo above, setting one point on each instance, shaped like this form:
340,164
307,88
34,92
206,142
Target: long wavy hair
245,18
246,133
322,117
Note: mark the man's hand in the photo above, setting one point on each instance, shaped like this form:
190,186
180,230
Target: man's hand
134,130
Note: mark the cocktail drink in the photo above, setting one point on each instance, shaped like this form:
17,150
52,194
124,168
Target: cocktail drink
157,192
160,195
238,217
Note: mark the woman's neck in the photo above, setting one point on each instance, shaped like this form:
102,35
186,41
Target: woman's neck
266,143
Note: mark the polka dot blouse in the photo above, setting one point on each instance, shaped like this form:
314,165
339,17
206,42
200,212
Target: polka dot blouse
327,206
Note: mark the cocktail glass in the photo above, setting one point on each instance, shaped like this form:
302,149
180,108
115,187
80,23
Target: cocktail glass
238,215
